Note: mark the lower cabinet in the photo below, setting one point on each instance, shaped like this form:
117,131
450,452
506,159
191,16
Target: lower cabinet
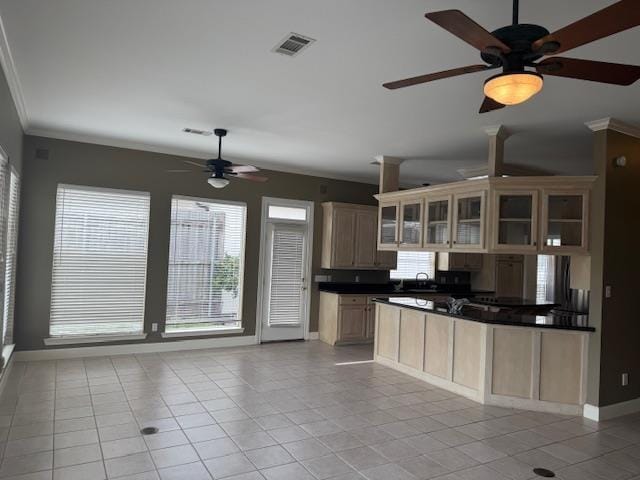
345,319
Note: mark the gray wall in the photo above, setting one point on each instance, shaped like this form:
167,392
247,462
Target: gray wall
10,128
89,164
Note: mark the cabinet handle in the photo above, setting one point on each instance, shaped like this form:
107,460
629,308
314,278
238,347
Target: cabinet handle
535,243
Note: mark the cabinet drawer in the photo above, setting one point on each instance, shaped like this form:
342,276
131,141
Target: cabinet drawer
352,300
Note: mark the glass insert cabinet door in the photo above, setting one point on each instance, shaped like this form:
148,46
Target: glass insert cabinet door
469,219
388,225
437,222
516,220
411,230
565,220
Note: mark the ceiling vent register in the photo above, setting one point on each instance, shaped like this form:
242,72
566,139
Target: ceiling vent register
293,44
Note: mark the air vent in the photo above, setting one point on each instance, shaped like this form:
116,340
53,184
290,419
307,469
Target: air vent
293,44
195,131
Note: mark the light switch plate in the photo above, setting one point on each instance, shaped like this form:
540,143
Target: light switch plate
625,379
154,327
607,291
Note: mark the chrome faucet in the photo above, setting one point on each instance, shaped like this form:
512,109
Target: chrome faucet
426,277
455,306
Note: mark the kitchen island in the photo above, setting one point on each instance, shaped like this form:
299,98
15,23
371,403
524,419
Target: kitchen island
535,362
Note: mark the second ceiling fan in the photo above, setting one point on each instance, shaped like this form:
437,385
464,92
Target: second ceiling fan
518,46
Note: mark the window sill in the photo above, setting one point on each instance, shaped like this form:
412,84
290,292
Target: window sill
202,333
77,340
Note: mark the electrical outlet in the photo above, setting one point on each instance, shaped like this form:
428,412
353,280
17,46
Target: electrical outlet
607,291
154,327
625,379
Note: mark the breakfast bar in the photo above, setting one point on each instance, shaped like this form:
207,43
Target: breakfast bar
535,362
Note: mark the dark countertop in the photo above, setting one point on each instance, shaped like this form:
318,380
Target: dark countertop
578,322
512,302
387,288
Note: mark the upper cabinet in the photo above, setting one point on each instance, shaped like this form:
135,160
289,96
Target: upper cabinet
565,215
516,215
437,222
349,238
388,226
469,220
411,224
515,220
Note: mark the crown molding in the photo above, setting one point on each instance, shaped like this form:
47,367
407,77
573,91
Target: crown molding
610,123
10,72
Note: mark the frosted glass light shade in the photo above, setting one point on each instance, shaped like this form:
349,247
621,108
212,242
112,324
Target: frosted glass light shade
216,182
513,88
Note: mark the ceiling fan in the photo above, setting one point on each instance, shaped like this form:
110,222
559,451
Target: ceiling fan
519,45
222,170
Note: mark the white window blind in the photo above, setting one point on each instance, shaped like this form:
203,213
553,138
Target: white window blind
4,213
545,278
412,263
10,266
286,276
99,261
206,264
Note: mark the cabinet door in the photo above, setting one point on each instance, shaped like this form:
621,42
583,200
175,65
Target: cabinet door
411,225
370,328
469,217
457,261
473,261
565,221
352,323
344,232
509,279
515,221
388,226
387,260
437,222
366,248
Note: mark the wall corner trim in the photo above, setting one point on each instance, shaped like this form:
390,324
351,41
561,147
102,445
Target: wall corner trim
610,123
10,71
133,348
608,412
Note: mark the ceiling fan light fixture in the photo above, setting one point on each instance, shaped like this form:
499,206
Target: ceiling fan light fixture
513,88
218,182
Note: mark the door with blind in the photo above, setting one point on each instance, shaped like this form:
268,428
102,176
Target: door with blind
286,258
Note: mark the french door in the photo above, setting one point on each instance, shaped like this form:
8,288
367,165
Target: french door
286,256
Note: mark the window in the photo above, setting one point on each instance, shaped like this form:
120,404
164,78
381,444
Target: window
545,278
412,263
206,265
287,213
99,261
10,265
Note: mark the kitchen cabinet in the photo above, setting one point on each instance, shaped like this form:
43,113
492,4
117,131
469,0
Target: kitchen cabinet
437,222
345,319
468,223
519,215
411,225
510,277
352,323
515,221
349,238
388,226
565,215
459,262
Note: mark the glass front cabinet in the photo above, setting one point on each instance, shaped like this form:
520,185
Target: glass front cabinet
437,222
411,225
388,226
565,221
468,221
515,221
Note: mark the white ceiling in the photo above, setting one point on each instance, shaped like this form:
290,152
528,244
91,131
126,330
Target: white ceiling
135,72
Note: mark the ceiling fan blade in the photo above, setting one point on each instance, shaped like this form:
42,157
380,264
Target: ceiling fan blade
196,164
615,18
242,169
489,104
603,72
466,29
253,178
407,82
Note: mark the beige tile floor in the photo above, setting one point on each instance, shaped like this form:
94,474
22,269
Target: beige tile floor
282,412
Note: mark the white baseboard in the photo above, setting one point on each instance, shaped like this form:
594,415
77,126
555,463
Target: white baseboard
314,336
608,412
133,348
